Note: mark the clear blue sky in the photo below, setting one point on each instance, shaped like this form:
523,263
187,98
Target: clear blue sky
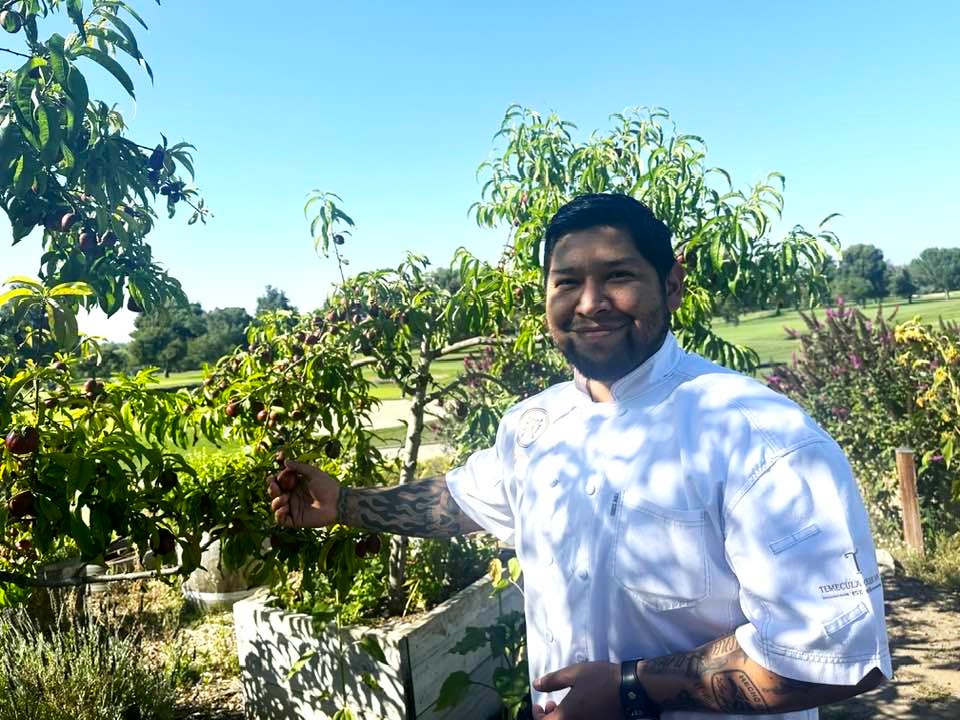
394,105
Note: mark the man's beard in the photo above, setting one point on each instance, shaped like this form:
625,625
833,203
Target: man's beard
636,346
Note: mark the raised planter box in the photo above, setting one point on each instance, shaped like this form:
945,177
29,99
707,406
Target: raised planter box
269,642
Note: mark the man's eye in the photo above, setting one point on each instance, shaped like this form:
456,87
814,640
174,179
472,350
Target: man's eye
620,275
564,281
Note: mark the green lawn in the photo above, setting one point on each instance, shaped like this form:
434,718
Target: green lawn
765,333
762,331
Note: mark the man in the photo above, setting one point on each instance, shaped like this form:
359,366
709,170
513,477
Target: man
692,542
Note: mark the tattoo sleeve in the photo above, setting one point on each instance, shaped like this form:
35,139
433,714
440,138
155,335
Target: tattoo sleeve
719,677
420,509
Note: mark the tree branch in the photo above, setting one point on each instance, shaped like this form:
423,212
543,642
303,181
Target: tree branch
470,342
14,52
438,394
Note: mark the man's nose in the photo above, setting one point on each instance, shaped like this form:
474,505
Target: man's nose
593,298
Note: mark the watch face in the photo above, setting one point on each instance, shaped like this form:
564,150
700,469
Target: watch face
532,424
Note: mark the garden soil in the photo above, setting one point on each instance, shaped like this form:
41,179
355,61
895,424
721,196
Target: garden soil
924,627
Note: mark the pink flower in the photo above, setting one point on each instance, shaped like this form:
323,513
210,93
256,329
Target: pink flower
855,362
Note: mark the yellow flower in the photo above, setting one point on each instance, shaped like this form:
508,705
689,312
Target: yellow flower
939,375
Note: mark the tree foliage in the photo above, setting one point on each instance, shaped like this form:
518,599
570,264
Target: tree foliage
723,234
863,262
68,167
160,337
273,299
938,269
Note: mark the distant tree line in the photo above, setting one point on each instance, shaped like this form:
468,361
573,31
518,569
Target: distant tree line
176,338
863,274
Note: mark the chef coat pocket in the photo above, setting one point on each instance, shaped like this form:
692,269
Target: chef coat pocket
660,556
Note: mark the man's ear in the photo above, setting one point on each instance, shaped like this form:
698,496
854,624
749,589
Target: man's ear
674,284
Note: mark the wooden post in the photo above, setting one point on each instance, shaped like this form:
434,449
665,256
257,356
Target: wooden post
910,508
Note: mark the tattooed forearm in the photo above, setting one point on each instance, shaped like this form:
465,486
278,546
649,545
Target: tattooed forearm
420,509
720,677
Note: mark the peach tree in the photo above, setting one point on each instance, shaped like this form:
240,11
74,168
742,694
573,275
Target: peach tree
82,466
723,235
402,324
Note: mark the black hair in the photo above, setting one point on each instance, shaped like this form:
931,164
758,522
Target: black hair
650,236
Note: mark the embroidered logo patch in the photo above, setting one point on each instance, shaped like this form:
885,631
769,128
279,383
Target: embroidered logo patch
532,424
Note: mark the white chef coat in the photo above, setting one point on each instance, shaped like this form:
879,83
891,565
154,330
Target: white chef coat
698,503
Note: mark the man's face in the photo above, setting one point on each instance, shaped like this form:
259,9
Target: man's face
606,308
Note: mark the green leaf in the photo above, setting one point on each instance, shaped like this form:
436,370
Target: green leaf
110,65
371,645
344,714
71,289
13,294
453,691
513,565
58,60
301,663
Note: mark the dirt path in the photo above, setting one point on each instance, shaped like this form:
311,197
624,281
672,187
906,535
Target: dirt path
924,627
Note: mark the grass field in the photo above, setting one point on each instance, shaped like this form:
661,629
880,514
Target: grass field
765,333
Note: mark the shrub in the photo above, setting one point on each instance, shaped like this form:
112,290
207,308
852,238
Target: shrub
939,566
866,383
83,672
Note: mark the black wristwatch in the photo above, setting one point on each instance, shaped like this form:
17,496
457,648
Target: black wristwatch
634,700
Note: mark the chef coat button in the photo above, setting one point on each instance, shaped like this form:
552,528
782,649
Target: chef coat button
583,574
554,482
591,489
550,560
581,657
548,636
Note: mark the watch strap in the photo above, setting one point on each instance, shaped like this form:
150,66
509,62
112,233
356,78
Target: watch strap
634,700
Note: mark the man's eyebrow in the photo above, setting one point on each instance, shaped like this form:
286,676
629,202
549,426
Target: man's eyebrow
620,262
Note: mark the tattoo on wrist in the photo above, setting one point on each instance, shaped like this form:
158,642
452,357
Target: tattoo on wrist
720,677
421,509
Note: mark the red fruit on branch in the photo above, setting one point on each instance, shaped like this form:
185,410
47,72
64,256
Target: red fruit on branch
165,542
11,21
232,409
280,457
88,242
167,479
21,504
23,441
156,158
68,220
332,449
263,416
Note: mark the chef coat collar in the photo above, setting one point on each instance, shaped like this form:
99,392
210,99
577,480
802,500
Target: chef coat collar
642,378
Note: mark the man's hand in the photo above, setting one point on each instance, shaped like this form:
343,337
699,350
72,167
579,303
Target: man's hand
310,504
594,692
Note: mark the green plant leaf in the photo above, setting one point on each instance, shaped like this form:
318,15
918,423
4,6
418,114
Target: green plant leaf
108,64
301,663
371,645
454,690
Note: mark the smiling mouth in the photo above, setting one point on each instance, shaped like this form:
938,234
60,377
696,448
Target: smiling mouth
597,331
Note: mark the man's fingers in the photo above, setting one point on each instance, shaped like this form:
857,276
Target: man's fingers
557,680
273,490
545,713
309,470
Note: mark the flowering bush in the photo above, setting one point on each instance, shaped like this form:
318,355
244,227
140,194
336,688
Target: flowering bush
875,387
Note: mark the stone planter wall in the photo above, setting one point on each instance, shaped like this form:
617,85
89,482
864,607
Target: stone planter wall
418,655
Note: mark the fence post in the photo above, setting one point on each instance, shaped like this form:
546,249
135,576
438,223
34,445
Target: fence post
910,507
